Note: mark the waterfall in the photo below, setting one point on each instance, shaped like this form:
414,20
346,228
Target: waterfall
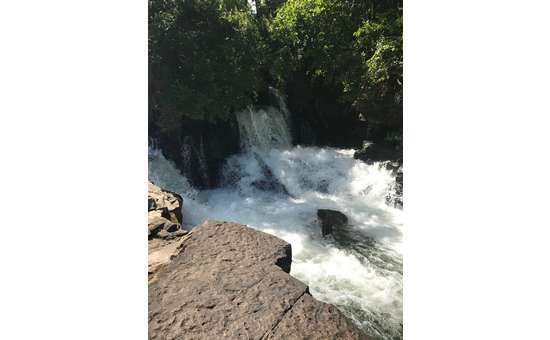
263,129
277,188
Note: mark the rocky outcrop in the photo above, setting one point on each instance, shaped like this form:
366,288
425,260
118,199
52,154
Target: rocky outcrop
330,219
165,231
168,203
199,148
165,214
231,282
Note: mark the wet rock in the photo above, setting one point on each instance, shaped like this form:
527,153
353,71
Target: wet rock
231,282
379,152
330,219
199,148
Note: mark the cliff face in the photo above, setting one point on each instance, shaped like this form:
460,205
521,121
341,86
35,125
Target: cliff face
199,148
227,281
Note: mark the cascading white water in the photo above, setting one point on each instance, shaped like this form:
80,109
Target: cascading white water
263,129
359,268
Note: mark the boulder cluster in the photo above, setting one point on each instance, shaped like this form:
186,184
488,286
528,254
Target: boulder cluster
166,234
165,213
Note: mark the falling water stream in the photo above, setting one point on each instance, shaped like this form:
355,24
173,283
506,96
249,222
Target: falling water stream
277,188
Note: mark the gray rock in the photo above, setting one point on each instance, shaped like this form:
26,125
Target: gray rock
231,282
161,252
312,319
167,202
165,214
165,231
329,219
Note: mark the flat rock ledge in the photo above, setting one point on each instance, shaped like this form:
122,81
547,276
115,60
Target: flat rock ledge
228,281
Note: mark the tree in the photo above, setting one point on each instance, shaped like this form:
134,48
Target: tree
348,49
204,57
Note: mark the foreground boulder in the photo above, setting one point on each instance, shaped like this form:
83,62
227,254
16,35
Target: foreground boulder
231,282
330,219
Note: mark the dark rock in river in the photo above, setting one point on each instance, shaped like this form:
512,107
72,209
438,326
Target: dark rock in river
330,219
228,281
379,152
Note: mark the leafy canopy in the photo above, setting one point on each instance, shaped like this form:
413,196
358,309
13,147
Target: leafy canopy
204,59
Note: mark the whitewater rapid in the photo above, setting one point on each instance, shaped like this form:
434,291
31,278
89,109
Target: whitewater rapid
277,188
359,269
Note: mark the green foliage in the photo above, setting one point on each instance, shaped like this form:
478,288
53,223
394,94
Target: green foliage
267,8
353,48
379,42
313,34
204,59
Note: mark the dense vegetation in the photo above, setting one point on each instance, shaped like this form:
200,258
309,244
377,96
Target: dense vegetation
336,60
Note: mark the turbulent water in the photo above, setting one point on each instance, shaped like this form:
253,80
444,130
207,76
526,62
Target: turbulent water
277,188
